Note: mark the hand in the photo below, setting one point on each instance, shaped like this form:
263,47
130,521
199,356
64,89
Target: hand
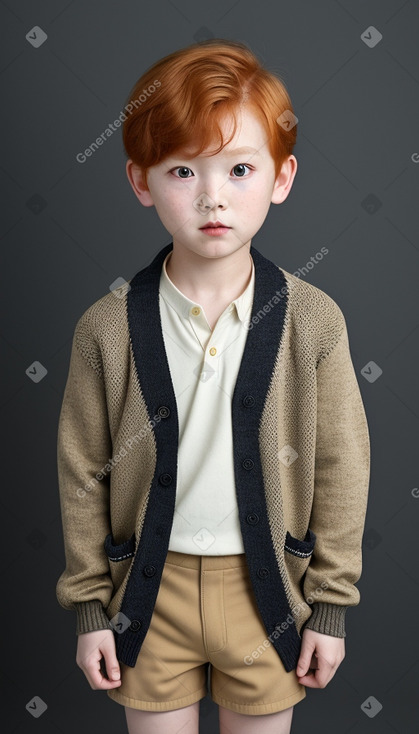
322,654
90,648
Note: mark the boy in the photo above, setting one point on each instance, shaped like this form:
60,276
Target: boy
213,449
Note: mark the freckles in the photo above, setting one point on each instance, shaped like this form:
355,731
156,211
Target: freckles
253,201
170,199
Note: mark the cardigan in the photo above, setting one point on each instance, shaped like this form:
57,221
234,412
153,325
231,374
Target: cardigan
301,461
204,364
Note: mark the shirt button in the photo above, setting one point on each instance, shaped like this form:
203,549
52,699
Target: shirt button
213,351
195,310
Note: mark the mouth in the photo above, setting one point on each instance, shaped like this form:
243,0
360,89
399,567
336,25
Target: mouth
215,228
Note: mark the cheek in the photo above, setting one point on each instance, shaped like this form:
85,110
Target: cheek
255,202
174,209
164,199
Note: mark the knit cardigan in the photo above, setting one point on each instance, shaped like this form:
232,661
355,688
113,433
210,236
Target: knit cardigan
301,461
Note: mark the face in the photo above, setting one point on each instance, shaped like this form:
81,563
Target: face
235,187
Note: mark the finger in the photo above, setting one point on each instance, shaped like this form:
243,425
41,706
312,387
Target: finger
304,661
111,665
313,679
97,677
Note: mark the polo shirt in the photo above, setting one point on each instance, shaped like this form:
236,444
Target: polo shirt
204,364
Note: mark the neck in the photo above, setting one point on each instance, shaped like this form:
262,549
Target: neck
203,278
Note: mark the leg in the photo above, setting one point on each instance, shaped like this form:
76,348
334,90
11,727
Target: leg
180,721
234,723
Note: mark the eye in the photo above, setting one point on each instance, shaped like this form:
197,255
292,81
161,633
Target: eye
241,166
183,169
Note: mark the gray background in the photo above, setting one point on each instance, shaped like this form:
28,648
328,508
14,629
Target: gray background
69,230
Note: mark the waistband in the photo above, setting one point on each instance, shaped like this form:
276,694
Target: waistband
207,563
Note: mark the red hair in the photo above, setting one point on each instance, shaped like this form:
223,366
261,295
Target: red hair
187,93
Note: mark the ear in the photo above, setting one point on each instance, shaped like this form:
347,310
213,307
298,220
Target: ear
285,179
136,180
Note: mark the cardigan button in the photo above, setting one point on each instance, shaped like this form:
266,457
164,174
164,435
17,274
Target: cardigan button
165,479
248,464
252,518
248,401
149,570
135,625
263,573
163,411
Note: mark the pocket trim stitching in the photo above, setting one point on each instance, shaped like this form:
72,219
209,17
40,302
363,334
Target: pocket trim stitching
296,546
112,549
298,553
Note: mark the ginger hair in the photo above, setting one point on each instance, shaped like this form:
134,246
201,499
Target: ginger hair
191,90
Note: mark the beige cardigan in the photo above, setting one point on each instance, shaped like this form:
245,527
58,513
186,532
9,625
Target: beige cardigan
301,458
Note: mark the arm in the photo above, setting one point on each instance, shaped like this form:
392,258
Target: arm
342,469
84,447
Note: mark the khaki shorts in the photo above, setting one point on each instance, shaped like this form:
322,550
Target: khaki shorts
206,617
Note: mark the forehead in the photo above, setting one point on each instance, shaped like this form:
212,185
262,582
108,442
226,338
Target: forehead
249,138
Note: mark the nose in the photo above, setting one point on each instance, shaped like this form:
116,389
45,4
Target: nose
216,197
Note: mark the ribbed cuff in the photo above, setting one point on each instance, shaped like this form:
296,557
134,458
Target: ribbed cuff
329,619
91,616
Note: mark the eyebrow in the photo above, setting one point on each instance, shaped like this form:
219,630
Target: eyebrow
241,151
228,153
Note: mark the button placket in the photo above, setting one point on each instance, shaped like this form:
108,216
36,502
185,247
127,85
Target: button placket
216,344
199,326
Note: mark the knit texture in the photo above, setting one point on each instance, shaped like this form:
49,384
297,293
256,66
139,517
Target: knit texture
315,502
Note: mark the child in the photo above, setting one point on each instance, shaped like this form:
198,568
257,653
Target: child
213,449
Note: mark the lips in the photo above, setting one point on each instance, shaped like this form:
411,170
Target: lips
214,225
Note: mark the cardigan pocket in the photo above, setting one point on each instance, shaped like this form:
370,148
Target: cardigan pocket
300,548
297,556
120,557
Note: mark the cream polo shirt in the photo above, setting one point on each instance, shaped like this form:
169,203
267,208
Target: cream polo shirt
204,365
